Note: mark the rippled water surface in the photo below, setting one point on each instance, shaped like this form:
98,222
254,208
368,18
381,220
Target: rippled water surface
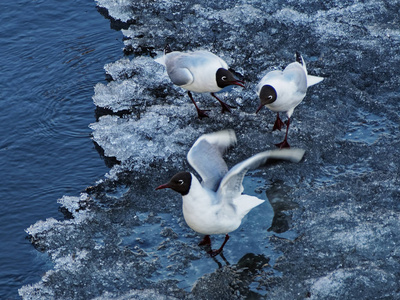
53,53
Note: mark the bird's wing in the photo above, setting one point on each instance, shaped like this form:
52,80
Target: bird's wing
231,185
180,76
205,157
295,73
178,68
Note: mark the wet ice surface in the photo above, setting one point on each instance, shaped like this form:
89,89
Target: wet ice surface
336,225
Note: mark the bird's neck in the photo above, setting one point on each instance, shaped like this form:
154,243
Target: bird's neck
198,197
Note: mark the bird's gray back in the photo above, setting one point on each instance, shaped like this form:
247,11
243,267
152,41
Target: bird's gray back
295,73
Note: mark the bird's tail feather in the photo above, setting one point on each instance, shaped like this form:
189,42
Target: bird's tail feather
245,203
311,80
160,59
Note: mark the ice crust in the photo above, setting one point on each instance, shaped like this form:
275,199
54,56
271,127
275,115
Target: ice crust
124,240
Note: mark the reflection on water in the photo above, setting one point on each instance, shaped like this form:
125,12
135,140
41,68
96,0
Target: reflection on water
278,197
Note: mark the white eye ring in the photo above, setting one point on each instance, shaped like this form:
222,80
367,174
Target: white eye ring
270,97
180,181
223,78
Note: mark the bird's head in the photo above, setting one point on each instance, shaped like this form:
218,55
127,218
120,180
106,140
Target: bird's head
179,183
267,96
225,78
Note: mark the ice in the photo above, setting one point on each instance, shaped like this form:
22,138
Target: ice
122,250
369,128
155,137
134,84
76,206
135,294
331,227
334,285
119,9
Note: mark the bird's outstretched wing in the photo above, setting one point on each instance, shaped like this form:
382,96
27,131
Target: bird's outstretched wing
205,157
231,185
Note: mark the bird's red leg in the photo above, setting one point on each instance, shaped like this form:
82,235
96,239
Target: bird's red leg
278,123
201,113
205,241
225,107
284,143
216,252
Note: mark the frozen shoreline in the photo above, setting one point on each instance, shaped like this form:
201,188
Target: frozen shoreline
346,190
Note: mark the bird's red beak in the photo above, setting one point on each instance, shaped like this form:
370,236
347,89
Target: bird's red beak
239,83
259,108
163,186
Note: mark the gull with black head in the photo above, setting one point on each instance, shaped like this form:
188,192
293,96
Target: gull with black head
199,71
217,205
282,91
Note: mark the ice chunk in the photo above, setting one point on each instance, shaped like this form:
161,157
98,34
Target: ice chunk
135,84
77,206
155,137
118,9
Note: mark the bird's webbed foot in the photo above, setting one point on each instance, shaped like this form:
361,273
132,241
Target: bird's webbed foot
202,113
283,144
224,106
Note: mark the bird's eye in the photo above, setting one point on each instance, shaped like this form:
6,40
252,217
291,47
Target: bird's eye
223,78
270,97
180,181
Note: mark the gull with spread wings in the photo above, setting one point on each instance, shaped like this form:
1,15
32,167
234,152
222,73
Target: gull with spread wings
217,205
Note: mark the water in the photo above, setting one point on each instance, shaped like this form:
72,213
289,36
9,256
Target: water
53,53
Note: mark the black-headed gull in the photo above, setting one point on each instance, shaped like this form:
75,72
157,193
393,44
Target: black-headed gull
199,71
216,205
282,91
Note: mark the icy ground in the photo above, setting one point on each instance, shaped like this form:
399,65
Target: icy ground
336,229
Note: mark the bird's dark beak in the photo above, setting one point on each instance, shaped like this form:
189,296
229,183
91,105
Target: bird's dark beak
259,108
163,186
238,82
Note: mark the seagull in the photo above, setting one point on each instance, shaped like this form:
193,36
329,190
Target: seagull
199,71
217,205
282,91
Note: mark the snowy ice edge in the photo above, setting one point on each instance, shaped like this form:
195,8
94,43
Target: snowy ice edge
74,205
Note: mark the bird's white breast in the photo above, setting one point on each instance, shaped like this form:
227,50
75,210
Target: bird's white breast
204,214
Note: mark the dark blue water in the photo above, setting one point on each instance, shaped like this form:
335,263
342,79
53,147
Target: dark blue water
53,53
